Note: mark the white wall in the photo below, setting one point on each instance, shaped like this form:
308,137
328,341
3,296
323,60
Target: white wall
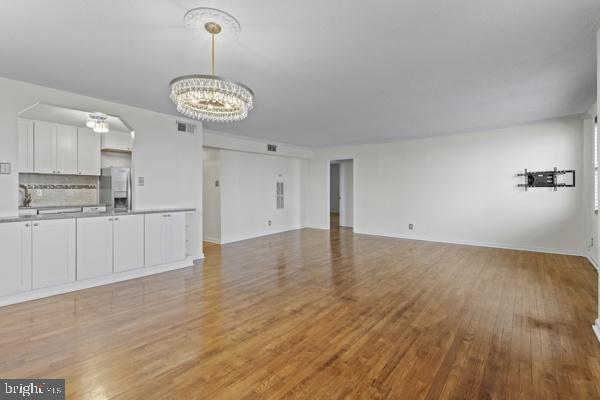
248,188
461,188
211,196
171,163
227,141
590,238
597,324
346,193
334,187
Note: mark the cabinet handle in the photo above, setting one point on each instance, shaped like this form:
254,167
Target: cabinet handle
28,225
116,219
36,224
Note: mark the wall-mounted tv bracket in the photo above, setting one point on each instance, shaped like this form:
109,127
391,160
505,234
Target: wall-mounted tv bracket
546,179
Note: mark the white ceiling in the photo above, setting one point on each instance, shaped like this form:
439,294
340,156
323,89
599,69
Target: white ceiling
324,72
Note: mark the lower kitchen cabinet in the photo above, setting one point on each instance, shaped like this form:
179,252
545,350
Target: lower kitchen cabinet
53,252
165,238
109,244
94,247
15,257
128,242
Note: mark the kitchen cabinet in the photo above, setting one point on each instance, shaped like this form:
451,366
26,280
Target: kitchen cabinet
128,242
94,247
44,149
88,152
165,238
55,148
59,149
117,141
53,252
25,129
109,244
15,250
66,149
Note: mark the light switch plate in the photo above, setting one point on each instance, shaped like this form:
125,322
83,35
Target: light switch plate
4,168
140,181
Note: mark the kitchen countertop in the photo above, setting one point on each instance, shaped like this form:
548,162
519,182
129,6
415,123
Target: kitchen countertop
55,207
113,213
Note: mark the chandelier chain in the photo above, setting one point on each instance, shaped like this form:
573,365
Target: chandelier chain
213,53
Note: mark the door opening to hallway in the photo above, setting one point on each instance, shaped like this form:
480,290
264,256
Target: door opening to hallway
341,194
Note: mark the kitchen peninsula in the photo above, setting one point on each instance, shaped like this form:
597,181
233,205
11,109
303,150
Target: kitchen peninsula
44,255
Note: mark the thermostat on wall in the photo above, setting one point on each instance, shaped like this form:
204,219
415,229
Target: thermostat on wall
5,168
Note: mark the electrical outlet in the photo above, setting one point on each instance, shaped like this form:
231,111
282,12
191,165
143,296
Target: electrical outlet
216,183
141,181
410,226
269,222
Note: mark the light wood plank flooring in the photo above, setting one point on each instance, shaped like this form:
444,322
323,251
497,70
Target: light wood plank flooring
317,315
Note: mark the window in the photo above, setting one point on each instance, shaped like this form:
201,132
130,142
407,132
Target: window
279,195
596,165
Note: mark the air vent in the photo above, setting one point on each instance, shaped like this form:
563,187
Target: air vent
183,127
271,147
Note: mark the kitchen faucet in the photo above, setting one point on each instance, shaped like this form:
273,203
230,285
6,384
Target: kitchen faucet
26,196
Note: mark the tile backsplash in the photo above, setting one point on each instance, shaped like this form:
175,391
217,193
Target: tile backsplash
59,190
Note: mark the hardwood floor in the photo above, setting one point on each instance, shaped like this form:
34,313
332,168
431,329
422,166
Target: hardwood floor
317,315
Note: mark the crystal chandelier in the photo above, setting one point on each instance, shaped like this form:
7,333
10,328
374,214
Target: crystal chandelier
208,97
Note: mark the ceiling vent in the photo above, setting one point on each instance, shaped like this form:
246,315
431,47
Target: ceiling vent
185,128
271,147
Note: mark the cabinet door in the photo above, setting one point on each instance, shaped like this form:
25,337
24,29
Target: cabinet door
44,148
119,141
155,239
15,257
25,128
128,242
53,252
88,152
94,247
175,237
66,150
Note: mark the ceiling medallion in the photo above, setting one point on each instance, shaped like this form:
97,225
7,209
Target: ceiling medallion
208,97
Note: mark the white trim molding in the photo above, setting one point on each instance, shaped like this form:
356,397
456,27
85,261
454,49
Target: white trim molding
596,328
591,260
506,246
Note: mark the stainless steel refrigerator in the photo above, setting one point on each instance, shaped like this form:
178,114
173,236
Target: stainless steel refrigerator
115,188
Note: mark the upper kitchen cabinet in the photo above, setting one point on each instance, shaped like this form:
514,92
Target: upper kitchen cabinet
88,152
117,141
25,128
55,148
66,150
44,153
58,140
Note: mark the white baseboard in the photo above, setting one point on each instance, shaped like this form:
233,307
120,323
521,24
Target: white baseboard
260,235
89,283
211,240
596,328
591,260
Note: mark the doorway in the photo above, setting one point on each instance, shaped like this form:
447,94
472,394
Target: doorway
341,194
